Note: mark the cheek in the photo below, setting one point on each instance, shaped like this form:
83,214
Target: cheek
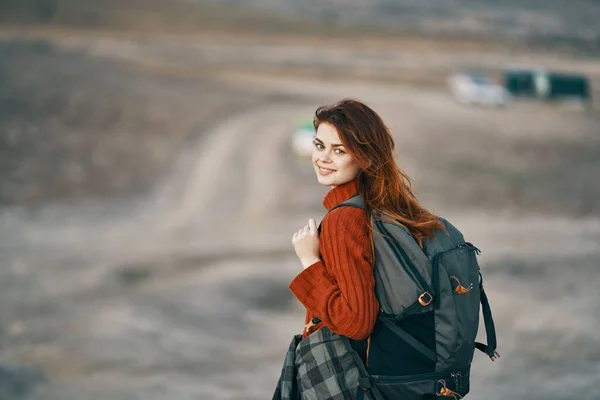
351,167
355,169
314,156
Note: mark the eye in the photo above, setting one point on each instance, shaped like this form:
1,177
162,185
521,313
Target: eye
319,146
340,151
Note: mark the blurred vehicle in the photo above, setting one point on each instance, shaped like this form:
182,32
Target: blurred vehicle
475,88
302,138
547,85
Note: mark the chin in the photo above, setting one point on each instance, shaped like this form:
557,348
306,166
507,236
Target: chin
325,181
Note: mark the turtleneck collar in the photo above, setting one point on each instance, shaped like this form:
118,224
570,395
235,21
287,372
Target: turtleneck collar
341,193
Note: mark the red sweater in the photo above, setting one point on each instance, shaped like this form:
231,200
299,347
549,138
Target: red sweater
339,289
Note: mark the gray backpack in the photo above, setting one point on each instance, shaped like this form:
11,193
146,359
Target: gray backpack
442,278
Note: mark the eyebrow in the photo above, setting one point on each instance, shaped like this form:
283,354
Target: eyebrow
316,139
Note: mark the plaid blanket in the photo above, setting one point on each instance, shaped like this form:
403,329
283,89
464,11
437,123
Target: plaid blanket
321,367
287,388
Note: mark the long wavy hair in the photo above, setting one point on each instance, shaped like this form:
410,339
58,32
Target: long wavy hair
384,187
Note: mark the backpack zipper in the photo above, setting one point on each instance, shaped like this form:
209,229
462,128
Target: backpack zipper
457,376
460,246
389,379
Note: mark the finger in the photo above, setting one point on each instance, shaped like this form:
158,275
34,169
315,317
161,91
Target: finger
313,225
306,229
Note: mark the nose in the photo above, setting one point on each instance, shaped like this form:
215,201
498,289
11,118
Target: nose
324,157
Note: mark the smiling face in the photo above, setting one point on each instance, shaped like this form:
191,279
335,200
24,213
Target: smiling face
333,165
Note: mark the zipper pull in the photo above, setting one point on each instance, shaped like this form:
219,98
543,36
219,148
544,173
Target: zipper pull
444,391
460,289
469,245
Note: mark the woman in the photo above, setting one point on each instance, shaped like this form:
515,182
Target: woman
353,153
417,340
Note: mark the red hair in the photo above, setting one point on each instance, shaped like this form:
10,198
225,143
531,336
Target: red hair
384,187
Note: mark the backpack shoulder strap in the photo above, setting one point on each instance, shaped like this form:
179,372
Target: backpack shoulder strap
354,201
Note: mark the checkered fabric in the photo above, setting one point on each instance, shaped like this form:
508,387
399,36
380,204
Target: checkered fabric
320,367
287,387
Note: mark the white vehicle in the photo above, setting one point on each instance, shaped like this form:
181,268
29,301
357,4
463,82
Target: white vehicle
471,88
302,139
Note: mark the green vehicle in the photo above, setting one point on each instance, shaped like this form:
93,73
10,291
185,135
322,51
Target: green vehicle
547,85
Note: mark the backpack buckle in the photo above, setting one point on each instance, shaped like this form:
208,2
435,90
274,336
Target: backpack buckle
364,383
425,299
311,324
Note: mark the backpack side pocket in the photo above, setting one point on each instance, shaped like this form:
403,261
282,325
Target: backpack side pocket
456,276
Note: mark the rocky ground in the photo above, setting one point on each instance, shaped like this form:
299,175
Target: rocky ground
149,193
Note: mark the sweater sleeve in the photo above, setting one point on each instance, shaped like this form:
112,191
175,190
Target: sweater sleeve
340,288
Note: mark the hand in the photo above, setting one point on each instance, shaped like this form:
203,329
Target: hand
306,244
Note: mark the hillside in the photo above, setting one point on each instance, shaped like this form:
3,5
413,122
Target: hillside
553,23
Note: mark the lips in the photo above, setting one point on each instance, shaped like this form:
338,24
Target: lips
325,171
